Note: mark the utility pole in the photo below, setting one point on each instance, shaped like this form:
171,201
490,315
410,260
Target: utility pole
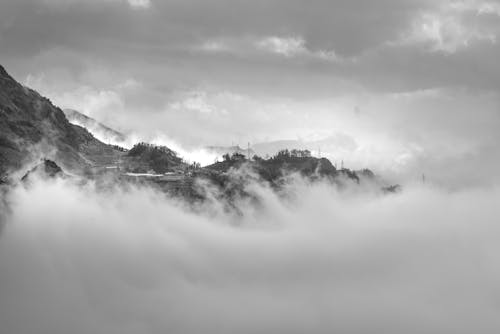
248,151
319,152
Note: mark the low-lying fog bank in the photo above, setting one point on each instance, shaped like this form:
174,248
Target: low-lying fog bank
77,260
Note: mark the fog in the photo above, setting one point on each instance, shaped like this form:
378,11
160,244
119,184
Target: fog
78,259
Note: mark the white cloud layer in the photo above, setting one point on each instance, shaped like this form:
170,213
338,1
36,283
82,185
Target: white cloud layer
139,3
288,47
85,261
284,46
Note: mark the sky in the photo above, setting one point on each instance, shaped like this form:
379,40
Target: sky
404,87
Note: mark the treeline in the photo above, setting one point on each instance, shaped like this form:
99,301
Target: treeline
143,147
281,155
160,158
119,148
291,154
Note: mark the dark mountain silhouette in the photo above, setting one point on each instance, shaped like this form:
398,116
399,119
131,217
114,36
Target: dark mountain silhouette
30,126
46,168
144,158
283,163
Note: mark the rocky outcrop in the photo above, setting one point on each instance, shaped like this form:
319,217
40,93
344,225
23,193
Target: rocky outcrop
45,169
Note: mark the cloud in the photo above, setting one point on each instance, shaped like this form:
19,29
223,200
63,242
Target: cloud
479,7
489,8
448,34
83,260
214,46
196,101
104,104
255,47
142,4
288,47
453,26
293,47
329,50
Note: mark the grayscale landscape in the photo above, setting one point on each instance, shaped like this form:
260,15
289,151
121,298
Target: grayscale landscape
264,166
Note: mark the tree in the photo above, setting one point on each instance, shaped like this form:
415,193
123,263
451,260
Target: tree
237,157
257,158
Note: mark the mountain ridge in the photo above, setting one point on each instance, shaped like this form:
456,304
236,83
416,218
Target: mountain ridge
32,127
102,132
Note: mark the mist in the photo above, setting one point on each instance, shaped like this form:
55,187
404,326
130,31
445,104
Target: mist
313,259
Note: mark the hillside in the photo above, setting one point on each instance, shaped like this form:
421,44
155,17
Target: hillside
99,130
31,128
147,158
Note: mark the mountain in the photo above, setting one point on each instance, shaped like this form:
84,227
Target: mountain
143,158
283,163
46,168
99,130
147,158
337,145
31,127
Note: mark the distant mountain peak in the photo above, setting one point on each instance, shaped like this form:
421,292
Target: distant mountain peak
102,132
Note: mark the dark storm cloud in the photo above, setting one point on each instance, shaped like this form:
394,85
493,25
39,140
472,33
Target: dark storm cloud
349,26
376,44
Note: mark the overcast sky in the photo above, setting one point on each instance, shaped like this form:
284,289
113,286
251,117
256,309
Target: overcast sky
409,86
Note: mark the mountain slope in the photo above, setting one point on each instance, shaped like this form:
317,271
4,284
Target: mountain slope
145,158
99,130
283,163
31,127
